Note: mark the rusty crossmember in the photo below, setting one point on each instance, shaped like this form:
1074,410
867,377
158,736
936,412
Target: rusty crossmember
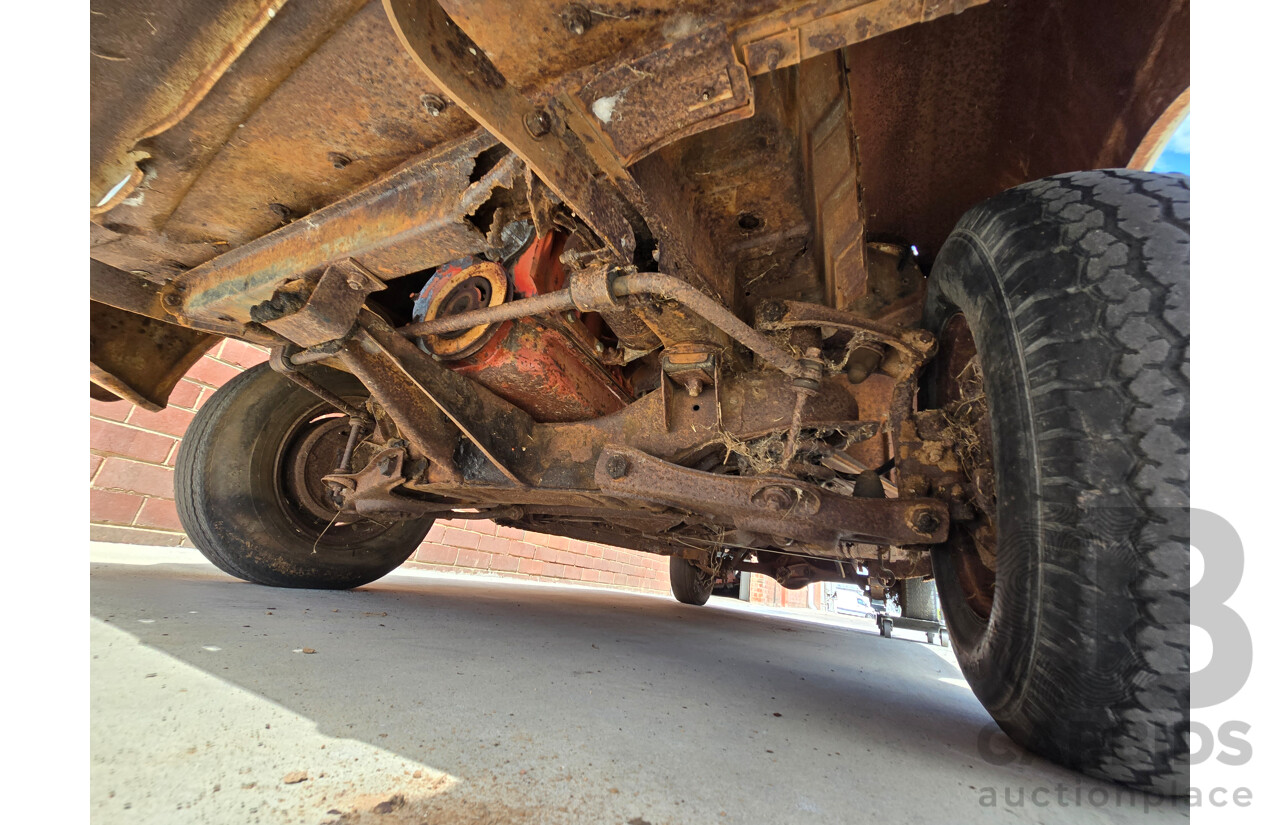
780,508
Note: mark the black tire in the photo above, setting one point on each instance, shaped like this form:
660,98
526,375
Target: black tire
1076,291
237,510
917,600
689,584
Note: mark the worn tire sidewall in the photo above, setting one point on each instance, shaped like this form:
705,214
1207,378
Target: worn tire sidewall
233,482
684,583
995,654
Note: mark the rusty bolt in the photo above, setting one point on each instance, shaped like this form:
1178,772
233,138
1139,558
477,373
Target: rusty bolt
434,104
921,340
694,387
281,211
172,300
354,284
617,466
538,123
773,56
925,522
773,498
339,160
918,337
576,18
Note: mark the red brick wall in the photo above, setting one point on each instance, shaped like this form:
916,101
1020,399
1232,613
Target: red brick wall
765,590
131,455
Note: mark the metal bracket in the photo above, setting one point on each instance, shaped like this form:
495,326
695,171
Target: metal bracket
691,365
497,428
461,69
683,88
330,310
383,473
591,289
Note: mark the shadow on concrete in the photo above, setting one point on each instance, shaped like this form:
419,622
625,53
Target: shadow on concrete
634,705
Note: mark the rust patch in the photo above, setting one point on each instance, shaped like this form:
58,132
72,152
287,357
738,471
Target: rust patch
163,76
689,86
384,226
793,33
463,72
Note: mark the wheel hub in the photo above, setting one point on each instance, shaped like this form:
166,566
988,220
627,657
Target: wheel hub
311,457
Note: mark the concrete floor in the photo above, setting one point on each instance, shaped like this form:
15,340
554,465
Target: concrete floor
433,698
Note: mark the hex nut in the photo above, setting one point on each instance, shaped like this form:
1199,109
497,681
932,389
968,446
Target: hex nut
538,123
773,498
434,104
925,522
617,466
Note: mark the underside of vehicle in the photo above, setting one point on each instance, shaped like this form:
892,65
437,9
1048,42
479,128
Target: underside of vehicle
677,277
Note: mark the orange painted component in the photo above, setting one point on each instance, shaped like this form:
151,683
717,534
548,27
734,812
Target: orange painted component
538,271
541,370
550,370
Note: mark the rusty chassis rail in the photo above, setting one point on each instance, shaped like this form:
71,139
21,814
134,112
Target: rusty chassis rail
394,226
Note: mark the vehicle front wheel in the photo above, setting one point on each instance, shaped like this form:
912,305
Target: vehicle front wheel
689,583
249,490
1062,313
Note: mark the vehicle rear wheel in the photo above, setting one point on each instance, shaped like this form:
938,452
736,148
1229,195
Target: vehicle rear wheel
689,583
1062,313
916,597
249,494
